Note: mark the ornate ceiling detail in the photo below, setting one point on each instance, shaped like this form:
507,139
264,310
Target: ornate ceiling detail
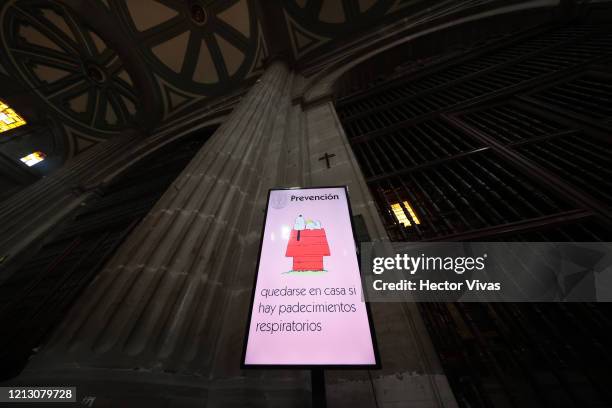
92,62
175,100
197,47
68,65
312,23
78,141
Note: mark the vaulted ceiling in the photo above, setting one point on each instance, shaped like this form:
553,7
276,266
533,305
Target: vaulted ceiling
170,55
86,70
68,65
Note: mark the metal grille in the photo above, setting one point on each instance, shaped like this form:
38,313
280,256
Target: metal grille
589,95
508,123
423,96
580,160
409,151
458,71
463,195
579,229
410,147
487,149
524,354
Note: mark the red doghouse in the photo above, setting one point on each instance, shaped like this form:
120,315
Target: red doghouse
309,251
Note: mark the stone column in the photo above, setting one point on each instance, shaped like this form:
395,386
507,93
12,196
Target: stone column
170,307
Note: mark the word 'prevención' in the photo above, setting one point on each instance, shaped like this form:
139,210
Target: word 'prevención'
315,197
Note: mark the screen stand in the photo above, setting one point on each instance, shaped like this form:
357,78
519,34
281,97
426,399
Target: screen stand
317,377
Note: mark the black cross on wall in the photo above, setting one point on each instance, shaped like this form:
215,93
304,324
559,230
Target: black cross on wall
326,158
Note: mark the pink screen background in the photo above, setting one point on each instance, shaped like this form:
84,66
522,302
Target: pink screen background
345,338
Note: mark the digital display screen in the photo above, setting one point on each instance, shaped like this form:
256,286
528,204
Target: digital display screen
307,304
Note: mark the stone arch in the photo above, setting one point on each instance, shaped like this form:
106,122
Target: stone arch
323,85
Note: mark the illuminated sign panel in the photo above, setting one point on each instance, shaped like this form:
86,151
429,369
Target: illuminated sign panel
307,307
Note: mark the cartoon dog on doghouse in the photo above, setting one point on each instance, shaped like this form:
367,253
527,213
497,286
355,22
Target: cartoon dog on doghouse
307,245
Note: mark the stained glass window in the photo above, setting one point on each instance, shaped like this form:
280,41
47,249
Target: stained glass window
9,119
400,214
33,158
